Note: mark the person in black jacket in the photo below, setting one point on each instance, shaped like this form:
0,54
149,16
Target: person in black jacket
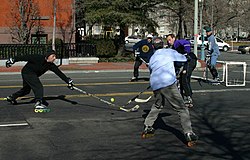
143,49
36,66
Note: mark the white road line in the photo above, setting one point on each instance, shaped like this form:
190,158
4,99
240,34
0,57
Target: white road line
14,124
221,90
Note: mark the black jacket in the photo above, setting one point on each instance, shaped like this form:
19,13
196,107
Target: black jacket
37,64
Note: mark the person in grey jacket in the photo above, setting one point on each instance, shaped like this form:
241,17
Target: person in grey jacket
213,51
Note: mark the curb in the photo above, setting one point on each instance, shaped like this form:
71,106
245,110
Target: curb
96,67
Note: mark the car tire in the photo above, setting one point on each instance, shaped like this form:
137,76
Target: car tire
225,48
243,52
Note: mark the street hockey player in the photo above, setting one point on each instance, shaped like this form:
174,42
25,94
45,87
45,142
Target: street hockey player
184,47
145,51
36,66
163,83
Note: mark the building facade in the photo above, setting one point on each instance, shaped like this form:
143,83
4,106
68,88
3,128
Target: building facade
37,18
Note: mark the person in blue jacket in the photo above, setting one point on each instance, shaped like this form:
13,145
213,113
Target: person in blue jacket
184,47
213,51
163,83
143,49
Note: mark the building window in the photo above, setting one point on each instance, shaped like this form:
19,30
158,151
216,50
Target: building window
39,39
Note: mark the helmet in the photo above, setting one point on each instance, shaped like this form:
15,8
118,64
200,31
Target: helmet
149,36
158,43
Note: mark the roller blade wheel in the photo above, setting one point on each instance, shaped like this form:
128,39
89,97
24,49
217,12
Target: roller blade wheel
189,105
188,101
191,139
147,135
148,132
215,81
46,110
191,143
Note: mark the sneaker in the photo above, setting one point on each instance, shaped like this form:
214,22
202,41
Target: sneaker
40,107
216,81
216,78
11,99
188,101
133,79
191,138
148,132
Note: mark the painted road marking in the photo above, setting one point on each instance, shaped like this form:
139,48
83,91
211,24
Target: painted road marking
80,84
135,93
14,124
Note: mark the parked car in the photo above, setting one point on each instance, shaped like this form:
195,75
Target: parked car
128,47
199,42
132,39
222,44
244,49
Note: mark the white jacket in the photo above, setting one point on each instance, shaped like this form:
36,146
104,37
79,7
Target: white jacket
161,66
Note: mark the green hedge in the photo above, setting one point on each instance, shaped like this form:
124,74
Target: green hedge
105,47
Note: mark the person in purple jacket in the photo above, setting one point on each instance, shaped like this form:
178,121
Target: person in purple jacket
163,83
184,47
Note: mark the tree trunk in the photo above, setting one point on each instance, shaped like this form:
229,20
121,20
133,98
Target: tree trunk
121,41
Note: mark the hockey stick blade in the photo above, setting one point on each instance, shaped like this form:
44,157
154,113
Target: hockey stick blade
134,98
139,100
134,109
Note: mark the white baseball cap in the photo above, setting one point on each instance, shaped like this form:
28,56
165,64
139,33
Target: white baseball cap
149,36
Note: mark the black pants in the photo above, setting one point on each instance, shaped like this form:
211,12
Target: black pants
137,64
213,71
185,78
30,82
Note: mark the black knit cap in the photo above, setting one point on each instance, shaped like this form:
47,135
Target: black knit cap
49,52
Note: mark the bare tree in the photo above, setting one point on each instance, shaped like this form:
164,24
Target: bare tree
23,13
233,12
66,27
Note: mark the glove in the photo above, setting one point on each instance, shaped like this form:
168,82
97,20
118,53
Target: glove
137,53
70,84
9,62
188,57
210,51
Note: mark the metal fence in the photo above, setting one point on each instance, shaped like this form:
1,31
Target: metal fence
80,50
65,50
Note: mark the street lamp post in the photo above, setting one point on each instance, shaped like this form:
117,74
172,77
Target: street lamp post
195,25
54,26
201,30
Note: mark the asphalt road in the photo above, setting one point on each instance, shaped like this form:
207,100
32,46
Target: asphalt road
82,128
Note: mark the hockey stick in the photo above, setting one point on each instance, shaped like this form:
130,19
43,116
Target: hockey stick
139,100
144,61
133,109
136,97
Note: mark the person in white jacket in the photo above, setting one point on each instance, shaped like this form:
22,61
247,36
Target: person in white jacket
163,83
